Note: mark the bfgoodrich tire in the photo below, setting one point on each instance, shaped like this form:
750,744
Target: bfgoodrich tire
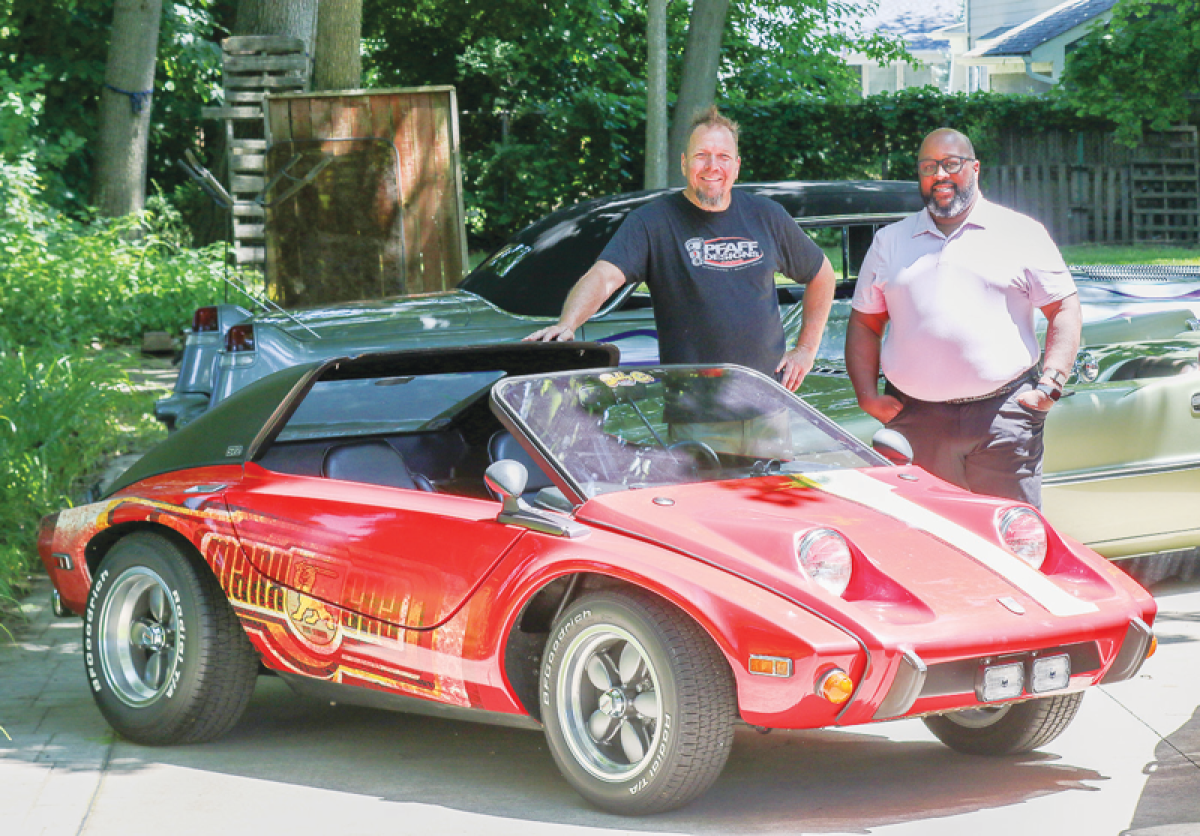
1006,729
167,660
637,702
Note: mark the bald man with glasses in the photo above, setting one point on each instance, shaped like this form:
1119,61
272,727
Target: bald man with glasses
944,307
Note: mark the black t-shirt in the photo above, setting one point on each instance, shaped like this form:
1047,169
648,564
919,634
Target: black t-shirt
712,275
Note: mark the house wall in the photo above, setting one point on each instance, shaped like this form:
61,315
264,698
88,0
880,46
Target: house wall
983,16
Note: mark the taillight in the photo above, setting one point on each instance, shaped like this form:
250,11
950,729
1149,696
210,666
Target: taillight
205,320
824,555
240,339
1023,531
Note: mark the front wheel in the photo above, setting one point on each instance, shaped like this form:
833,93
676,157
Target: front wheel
637,702
167,660
1006,729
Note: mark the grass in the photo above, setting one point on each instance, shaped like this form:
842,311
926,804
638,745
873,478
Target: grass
1131,254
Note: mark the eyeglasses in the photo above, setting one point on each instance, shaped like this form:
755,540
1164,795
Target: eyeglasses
950,165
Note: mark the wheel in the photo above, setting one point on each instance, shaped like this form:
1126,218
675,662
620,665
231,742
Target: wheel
1006,729
696,453
638,703
166,658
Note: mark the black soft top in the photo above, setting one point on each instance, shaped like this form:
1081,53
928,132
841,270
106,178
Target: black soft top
241,427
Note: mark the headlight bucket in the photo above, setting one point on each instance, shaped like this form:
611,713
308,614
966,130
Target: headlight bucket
1023,531
824,555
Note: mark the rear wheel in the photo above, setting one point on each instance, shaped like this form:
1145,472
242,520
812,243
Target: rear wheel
166,658
1006,729
638,703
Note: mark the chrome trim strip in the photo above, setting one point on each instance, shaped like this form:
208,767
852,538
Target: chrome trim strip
1121,473
906,687
852,219
1132,654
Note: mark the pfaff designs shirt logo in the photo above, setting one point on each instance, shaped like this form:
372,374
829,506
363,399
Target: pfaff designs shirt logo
724,253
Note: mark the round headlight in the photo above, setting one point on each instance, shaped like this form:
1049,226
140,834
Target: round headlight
1023,531
824,555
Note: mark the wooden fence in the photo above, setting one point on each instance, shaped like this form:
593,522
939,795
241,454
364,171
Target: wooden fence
1085,188
1077,203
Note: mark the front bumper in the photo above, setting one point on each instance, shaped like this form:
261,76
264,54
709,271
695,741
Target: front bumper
917,687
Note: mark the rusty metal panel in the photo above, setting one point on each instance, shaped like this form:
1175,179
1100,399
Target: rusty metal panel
426,217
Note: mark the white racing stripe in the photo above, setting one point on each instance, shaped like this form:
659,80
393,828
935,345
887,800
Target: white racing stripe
859,487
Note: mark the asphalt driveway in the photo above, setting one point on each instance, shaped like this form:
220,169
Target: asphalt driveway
1130,763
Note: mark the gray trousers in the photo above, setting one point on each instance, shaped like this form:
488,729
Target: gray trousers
991,446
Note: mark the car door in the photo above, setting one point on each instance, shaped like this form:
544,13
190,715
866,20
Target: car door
406,557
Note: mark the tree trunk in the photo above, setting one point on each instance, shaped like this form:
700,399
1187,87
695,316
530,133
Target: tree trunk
698,86
338,64
294,18
656,95
119,187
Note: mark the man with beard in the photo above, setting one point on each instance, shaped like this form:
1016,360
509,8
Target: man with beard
956,286
709,256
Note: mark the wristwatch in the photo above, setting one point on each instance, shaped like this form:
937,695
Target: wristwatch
1051,392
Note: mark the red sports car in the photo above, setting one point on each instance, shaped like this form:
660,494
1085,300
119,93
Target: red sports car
630,560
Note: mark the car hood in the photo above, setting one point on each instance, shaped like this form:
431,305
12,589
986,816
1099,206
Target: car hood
913,564
448,311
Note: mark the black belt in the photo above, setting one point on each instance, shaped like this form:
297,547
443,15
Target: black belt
1029,375
1008,388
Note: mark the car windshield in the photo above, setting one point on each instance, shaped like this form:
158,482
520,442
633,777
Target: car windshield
626,429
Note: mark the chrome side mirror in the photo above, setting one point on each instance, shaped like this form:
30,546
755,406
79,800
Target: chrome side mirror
507,478
892,446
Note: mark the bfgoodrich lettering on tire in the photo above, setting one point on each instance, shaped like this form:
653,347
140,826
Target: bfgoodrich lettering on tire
1006,729
637,701
167,660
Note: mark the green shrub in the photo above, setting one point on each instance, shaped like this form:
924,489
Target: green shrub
61,416
66,289
66,283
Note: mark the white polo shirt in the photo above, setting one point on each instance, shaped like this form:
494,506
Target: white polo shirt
960,308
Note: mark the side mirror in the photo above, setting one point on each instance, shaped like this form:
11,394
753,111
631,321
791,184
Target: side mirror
507,478
892,446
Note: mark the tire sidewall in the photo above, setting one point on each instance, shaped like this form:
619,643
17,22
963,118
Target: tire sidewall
642,789
165,715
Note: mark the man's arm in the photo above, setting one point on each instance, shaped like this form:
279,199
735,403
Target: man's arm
1064,321
583,301
864,336
814,313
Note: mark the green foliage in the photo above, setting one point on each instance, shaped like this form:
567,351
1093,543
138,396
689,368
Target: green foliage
60,416
63,287
52,63
64,283
1139,69
554,94
878,136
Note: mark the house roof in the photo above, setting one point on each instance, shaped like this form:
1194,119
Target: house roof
913,20
1023,39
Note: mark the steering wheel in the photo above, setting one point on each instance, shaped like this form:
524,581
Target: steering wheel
700,454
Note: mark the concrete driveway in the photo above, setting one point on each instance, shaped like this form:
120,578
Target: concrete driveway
1130,763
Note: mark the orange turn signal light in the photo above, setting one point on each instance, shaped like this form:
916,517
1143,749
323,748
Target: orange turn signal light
1153,646
771,666
835,685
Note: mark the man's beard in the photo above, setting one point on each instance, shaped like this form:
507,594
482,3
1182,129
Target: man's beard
713,200
957,205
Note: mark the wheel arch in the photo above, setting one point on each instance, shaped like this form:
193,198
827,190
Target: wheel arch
100,545
742,617
526,637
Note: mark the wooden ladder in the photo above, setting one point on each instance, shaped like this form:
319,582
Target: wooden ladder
253,66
